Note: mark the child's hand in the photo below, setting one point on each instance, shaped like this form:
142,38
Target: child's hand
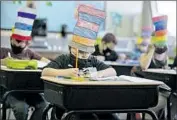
72,72
151,47
100,58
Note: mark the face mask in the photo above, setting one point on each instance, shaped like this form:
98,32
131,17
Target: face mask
160,50
107,50
81,54
82,63
143,48
160,57
16,49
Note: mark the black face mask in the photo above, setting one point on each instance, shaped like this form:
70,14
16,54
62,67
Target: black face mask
107,50
160,50
82,63
16,49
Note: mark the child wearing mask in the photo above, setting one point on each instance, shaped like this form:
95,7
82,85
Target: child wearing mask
81,47
105,50
64,65
157,57
19,40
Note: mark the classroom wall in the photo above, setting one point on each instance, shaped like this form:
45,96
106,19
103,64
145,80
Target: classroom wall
131,17
61,12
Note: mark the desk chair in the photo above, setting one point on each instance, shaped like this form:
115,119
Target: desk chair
4,107
10,80
2,91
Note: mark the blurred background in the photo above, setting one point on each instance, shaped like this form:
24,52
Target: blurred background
52,30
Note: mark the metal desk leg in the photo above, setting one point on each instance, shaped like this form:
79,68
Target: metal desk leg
68,116
3,111
152,114
169,107
45,111
4,107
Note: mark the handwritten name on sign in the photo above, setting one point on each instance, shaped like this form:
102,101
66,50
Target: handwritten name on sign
91,11
89,25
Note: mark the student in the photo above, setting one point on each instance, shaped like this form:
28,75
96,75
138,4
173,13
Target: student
156,57
61,66
19,40
105,50
19,50
140,48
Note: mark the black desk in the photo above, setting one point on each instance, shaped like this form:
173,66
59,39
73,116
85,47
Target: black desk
169,77
101,96
121,69
18,81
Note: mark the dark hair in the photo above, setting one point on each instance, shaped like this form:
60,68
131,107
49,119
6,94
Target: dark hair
109,37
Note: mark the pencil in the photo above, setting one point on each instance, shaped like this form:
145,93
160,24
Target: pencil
9,55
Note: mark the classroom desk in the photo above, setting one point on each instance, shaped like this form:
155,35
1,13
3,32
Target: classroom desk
169,77
100,96
19,81
121,69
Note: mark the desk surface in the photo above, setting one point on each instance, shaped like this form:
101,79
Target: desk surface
87,82
162,71
4,68
119,64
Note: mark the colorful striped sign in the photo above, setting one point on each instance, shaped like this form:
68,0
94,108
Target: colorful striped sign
159,18
87,26
24,23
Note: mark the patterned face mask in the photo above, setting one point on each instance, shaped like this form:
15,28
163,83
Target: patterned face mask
160,50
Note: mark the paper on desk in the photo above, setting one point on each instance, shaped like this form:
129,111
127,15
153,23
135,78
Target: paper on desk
136,79
41,64
113,78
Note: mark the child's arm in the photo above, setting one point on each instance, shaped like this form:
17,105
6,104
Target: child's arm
36,56
103,69
106,73
43,59
146,58
72,72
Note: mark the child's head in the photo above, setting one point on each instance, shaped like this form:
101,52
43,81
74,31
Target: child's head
18,45
109,41
21,32
143,47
